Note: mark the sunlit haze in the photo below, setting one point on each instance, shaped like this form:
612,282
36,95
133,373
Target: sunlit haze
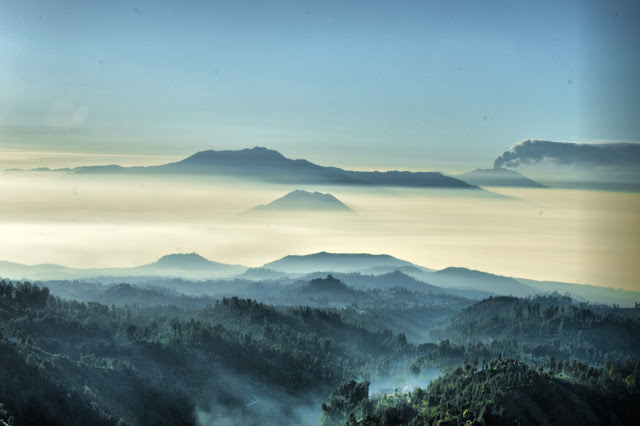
563,235
337,212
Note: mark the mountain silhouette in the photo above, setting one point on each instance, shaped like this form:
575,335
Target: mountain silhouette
189,265
483,281
327,285
267,165
334,262
360,271
184,265
185,260
304,200
384,281
498,177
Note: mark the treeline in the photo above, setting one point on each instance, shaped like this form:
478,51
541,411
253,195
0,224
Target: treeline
72,362
69,362
502,392
548,326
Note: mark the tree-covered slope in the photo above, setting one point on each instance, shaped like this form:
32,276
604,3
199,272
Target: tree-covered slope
505,392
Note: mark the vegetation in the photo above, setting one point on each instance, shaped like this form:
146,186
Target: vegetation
505,391
547,326
64,360
172,358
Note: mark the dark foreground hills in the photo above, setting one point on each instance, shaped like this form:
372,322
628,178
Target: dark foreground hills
265,165
502,392
121,354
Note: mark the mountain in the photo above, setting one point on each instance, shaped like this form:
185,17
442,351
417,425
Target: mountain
255,163
399,279
498,177
478,285
483,281
334,262
265,165
384,281
190,263
359,271
18,271
592,166
304,201
184,260
586,292
409,270
190,266
329,285
485,310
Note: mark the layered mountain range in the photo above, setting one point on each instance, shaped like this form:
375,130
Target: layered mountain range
357,270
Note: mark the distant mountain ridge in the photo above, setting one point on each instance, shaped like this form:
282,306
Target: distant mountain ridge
186,265
498,177
354,269
299,200
334,262
463,277
190,264
183,259
267,165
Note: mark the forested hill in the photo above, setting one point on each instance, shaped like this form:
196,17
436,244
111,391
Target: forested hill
67,362
179,359
504,392
573,330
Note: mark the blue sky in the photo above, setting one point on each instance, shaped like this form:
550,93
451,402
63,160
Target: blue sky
409,84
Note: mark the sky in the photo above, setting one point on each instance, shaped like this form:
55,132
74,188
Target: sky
412,85
439,85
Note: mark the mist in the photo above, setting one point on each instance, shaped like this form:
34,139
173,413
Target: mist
231,399
109,221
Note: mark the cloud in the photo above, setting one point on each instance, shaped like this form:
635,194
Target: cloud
231,398
619,155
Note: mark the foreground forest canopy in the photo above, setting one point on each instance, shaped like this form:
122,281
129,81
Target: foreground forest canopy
126,354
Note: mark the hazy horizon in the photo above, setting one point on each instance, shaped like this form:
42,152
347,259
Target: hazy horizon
422,86
543,96
545,234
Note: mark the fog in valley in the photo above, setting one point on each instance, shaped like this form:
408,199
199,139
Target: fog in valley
251,213
113,221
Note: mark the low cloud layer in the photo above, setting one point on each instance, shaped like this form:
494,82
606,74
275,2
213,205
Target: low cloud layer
565,153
